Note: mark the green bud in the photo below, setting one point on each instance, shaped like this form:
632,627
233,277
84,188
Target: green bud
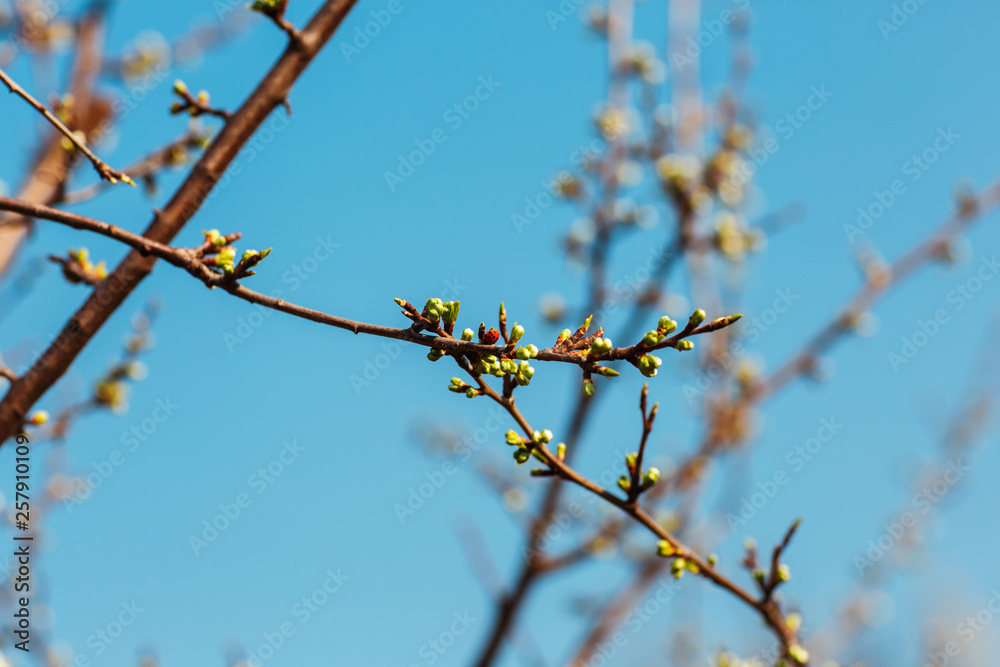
606,372
648,364
651,339
563,335
697,317
467,334
179,87
546,436
516,333
666,325
685,345
623,483
248,254
784,574
677,567
630,459
435,354
508,366
664,548
712,559
472,392
513,438
759,574
521,455
561,451
798,654
588,387
450,312
652,475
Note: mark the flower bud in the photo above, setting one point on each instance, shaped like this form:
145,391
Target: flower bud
588,387
521,455
513,438
561,451
664,548
652,475
666,325
685,345
624,484
471,392
546,436
563,335
651,339
516,333
648,364
467,334
697,317
784,574
435,354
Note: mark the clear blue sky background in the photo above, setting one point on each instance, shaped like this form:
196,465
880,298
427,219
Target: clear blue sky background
449,224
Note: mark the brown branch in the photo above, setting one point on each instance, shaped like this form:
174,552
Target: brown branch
103,169
110,293
767,608
53,165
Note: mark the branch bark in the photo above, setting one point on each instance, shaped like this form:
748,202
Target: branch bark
109,294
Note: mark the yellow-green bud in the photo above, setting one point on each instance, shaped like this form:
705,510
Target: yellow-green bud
697,317
685,345
467,334
666,325
513,438
516,333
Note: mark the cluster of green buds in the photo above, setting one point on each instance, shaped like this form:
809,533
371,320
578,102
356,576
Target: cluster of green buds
435,354
648,363
664,328
436,310
648,479
78,267
491,365
526,352
225,259
215,237
195,105
600,346
526,448
458,386
678,567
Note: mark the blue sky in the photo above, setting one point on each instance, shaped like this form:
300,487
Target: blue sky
314,187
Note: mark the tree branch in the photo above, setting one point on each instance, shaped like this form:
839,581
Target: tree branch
110,293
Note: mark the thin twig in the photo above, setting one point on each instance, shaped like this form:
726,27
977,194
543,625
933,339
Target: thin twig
103,169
